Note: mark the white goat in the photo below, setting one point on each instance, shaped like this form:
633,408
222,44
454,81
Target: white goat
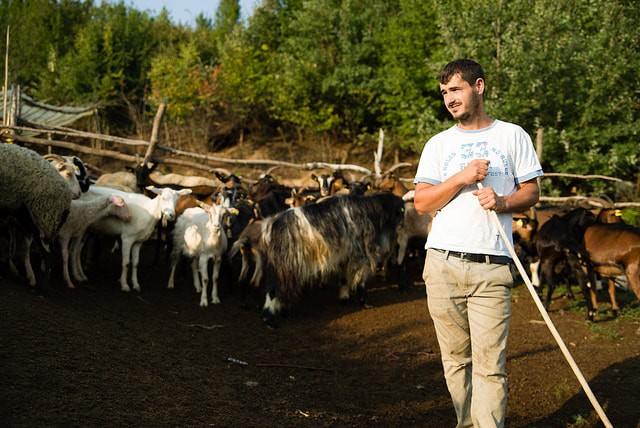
199,235
145,213
90,208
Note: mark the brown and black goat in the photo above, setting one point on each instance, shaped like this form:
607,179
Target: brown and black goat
560,246
614,250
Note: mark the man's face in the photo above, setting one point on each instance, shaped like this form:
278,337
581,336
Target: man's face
461,99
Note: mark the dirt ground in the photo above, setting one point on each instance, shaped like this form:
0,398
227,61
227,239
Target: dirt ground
96,356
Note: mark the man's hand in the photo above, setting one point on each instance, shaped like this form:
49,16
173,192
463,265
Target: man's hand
489,200
476,171
526,195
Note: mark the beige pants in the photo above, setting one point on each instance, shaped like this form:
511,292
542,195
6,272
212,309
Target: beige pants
470,304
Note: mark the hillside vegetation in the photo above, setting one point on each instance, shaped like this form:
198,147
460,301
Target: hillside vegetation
332,73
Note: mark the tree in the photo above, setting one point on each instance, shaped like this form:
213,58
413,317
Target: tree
41,32
409,101
107,64
568,69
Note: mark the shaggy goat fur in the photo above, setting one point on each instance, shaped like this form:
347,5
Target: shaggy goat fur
343,235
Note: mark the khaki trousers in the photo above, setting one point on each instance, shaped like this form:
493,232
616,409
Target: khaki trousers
470,304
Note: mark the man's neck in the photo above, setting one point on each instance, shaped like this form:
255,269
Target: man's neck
475,123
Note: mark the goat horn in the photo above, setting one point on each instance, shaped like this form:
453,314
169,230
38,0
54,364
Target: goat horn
398,165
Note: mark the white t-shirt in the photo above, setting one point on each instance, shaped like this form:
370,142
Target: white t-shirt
463,225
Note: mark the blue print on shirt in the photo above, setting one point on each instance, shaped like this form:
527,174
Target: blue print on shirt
474,150
477,150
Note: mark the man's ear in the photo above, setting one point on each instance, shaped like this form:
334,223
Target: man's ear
480,85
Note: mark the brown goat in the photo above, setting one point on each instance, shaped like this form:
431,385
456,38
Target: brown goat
614,249
390,182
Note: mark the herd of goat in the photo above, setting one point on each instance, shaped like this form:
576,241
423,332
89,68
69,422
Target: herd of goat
278,239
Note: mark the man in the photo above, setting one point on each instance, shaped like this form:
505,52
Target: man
466,271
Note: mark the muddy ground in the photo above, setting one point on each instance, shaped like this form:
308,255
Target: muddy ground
96,356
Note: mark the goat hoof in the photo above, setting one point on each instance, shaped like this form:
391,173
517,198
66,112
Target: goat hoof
366,305
615,313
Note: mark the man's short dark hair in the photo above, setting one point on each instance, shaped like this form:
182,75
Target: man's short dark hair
469,70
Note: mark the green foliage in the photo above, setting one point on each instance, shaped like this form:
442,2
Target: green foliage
345,68
569,68
183,83
106,65
408,92
40,32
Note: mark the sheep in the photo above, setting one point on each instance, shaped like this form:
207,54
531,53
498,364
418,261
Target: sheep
199,234
146,175
72,170
124,181
85,211
145,214
67,169
37,196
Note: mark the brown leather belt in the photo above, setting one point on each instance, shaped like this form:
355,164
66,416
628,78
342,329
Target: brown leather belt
477,258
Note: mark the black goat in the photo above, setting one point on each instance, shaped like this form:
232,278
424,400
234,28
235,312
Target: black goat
560,246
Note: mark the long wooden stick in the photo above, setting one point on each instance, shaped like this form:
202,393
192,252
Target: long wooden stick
547,320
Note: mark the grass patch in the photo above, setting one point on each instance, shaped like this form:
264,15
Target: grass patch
563,390
604,330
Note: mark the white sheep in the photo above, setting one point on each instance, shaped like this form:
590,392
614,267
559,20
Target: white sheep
145,214
182,180
121,180
69,170
199,235
85,211
35,194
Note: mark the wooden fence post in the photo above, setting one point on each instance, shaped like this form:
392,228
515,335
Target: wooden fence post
154,133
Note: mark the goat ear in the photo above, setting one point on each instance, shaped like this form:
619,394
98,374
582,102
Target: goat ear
202,204
154,189
183,192
117,200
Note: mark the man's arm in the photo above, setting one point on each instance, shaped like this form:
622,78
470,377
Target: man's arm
429,198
